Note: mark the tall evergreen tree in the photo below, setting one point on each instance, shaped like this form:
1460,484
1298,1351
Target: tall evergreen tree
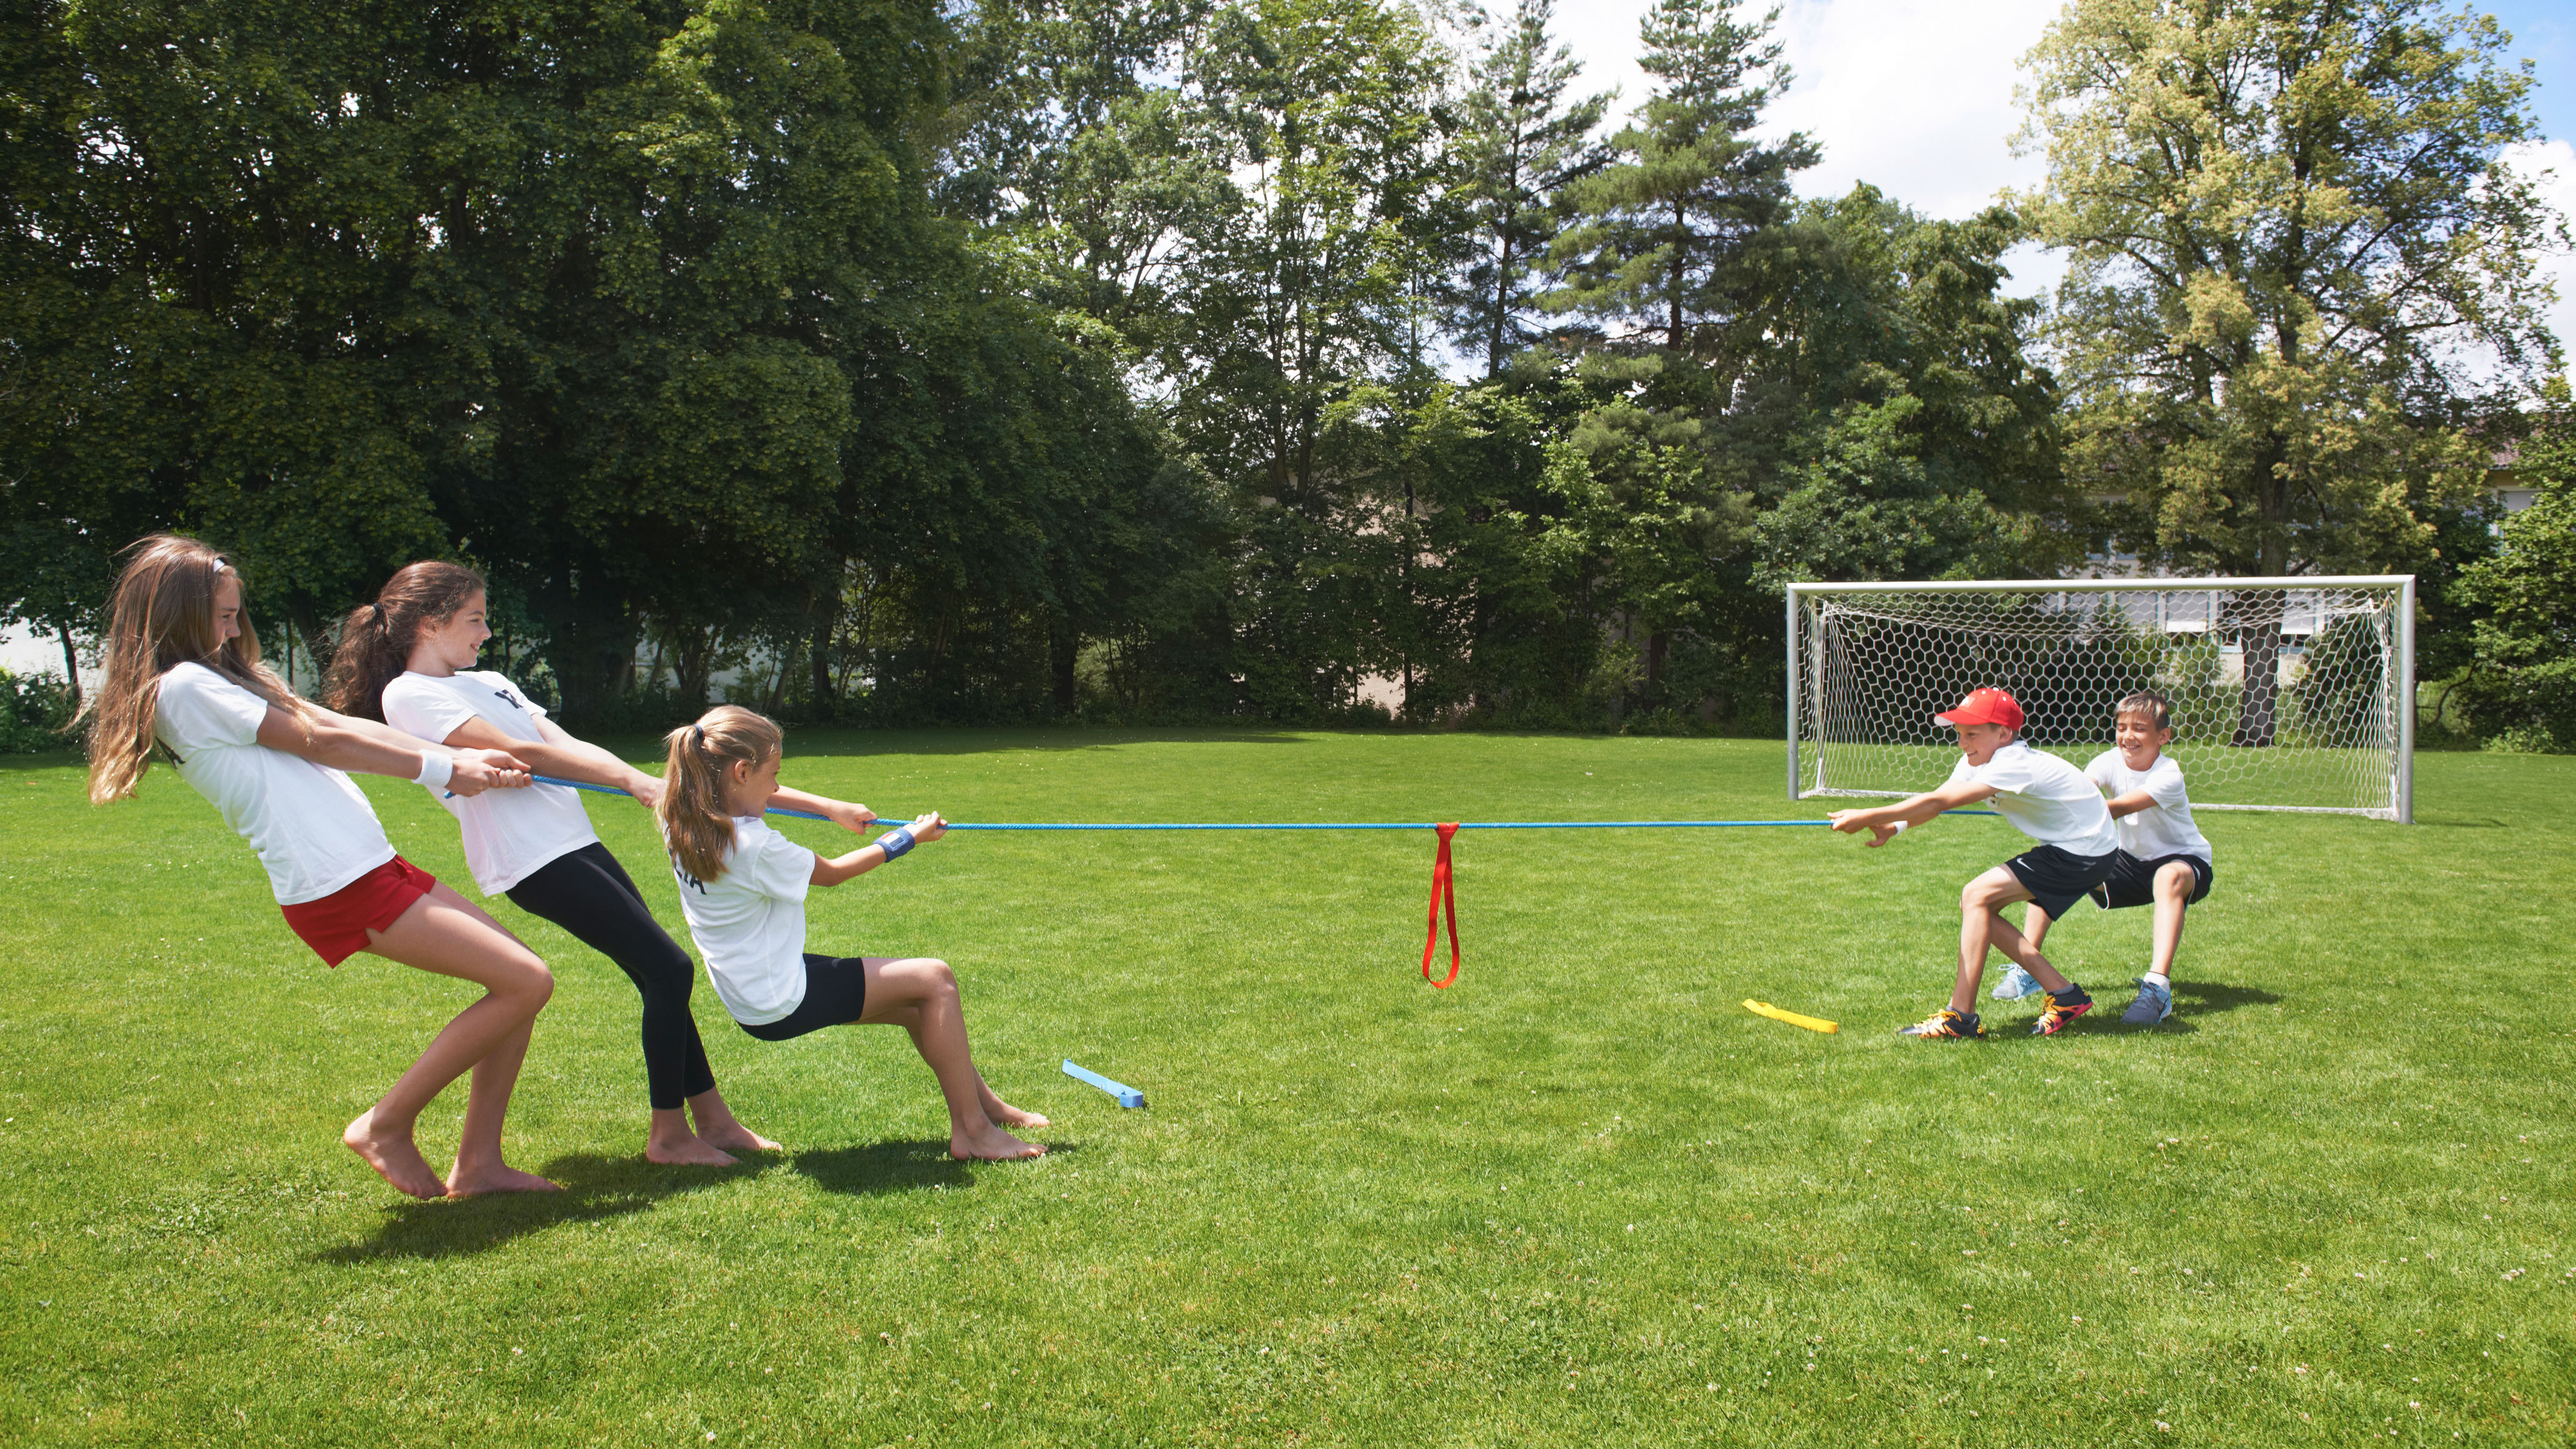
1665,232
1521,142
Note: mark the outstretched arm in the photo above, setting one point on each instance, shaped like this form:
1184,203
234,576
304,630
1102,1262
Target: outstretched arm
561,755
1886,820
344,743
840,812
831,871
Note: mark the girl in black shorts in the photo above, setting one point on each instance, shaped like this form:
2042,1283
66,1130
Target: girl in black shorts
742,886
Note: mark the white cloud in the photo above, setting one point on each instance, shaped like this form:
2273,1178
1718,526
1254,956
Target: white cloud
1914,97
2559,189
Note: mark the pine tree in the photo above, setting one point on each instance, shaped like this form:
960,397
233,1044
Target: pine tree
1521,146
1664,233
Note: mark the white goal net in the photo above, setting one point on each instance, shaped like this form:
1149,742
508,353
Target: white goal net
2287,694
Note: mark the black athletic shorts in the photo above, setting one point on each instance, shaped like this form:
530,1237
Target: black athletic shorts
836,991
2056,878
2132,882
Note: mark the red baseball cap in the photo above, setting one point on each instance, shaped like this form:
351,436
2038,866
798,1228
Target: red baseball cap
1984,706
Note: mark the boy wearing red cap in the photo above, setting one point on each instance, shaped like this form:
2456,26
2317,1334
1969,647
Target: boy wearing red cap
2048,800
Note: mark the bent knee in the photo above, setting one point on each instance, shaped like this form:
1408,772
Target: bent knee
533,982
2177,879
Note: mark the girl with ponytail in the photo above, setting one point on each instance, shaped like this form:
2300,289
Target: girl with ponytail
184,676
742,887
408,659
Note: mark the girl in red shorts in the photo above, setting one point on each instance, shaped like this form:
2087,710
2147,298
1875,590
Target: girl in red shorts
183,673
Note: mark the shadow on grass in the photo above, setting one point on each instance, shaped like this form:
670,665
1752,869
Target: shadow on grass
2192,999
891,1167
595,1189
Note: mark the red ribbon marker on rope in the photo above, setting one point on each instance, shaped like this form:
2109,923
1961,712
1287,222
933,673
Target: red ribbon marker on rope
1443,889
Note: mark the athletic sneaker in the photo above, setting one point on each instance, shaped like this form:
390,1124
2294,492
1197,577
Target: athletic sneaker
2154,1003
2063,1007
2016,984
1947,1025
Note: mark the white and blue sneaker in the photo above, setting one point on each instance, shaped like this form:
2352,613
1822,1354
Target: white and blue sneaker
2016,984
2154,1003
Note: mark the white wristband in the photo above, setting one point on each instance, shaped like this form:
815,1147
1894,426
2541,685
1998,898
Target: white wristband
436,769
1901,824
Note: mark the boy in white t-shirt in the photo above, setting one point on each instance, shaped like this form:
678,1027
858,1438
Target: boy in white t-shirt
2046,799
2163,861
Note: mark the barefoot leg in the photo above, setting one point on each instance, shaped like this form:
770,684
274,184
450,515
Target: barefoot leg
920,994
670,1142
448,935
717,1127
999,1111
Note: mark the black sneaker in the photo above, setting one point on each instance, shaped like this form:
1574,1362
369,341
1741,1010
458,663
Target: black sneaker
2063,1007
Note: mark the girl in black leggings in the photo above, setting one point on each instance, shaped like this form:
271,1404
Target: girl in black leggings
407,659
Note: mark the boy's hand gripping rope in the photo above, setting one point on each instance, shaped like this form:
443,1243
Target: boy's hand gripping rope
1444,893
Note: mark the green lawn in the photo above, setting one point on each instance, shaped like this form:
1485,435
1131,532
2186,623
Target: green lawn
1581,1198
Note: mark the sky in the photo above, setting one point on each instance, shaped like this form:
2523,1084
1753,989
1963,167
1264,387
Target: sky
1916,98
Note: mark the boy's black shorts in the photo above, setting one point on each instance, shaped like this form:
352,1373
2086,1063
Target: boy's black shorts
2132,882
2057,879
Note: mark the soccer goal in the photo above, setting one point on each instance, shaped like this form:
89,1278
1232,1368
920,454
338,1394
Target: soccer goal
2288,694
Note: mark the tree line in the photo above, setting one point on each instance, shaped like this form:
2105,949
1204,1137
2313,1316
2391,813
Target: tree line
1172,360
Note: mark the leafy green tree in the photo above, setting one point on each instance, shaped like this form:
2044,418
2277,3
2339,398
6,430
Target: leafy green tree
1520,143
1306,292
1928,445
2521,687
2289,237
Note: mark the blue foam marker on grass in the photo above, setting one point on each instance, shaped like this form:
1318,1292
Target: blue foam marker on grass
1127,1096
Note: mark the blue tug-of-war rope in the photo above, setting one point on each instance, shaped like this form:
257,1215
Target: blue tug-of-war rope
1333,825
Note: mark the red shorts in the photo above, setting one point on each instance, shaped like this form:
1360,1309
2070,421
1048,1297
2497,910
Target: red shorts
336,926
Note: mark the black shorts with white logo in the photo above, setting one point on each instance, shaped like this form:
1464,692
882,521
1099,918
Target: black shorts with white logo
2057,878
2132,882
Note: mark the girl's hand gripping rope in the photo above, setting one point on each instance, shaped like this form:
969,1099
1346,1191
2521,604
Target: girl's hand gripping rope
476,771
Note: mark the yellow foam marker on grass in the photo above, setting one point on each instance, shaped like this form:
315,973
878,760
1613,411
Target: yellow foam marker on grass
1764,1008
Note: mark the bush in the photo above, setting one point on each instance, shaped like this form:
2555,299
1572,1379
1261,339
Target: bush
34,709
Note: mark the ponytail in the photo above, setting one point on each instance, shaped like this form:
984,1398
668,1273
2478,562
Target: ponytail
695,824
376,639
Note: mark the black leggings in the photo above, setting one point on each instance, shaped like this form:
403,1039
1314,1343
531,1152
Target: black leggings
589,895
836,991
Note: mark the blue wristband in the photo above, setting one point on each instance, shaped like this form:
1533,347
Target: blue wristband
896,841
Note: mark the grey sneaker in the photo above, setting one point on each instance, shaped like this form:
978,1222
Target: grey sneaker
2154,1003
2016,984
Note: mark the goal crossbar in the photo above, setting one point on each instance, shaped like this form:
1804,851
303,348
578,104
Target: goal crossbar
2290,693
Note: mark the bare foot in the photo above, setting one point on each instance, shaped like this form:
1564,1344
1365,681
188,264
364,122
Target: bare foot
686,1152
461,1183
1010,1116
990,1144
738,1137
392,1155
1006,1114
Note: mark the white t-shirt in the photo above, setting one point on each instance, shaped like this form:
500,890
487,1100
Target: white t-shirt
2161,829
509,834
750,922
2045,798
311,827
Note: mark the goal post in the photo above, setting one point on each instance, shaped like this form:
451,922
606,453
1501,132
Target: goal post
2287,693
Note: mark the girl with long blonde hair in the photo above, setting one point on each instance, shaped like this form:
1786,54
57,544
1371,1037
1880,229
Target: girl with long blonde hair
408,659
184,676
742,887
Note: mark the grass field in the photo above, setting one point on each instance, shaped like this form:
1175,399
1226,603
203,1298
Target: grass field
1581,1198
